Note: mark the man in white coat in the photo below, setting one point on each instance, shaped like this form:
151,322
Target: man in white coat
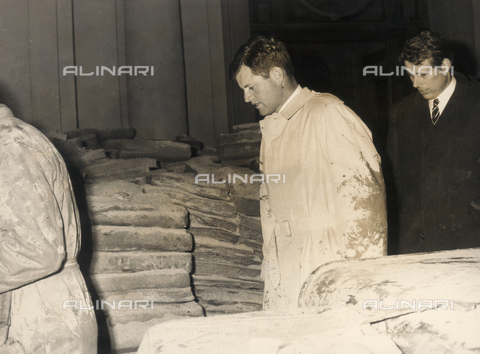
330,205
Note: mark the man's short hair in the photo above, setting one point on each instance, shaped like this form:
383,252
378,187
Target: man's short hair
261,54
426,45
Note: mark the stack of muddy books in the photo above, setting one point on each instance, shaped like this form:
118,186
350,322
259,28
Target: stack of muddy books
241,147
223,206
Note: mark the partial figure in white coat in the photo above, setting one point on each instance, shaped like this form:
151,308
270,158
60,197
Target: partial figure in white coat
330,204
39,243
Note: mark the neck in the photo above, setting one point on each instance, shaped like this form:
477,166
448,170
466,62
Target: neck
449,80
288,88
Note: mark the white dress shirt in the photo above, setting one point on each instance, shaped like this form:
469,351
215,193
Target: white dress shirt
443,97
297,90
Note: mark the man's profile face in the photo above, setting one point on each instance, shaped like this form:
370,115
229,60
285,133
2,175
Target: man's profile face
264,94
429,80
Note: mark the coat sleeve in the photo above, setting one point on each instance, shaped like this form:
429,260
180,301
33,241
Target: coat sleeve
355,169
32,244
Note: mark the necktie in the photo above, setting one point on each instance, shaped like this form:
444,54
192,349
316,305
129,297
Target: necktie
435,111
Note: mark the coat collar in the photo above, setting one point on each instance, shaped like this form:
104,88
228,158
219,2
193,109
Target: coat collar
298,102
273,125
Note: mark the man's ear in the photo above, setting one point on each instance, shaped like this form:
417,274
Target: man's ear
277,74
447,63
446,68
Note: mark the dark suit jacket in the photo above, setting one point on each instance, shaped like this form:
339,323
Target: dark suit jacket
437,171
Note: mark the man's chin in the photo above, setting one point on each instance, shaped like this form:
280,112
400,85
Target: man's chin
427,95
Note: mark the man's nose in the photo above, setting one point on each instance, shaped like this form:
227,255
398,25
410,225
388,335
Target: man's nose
247,96
415,81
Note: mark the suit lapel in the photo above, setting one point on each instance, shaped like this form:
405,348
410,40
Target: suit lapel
422,113
454,107
449,113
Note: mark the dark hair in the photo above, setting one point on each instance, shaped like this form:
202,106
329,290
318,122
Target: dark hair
261,54
426,45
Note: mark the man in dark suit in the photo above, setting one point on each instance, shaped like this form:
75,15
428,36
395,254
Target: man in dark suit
434,149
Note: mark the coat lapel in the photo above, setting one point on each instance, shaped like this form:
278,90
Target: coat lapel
421,113
454,107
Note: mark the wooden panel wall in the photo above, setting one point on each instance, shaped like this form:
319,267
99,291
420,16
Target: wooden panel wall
236,24
203,46
218,72
36,43
153,37
95,28
15,58
183,40
65,42
39,39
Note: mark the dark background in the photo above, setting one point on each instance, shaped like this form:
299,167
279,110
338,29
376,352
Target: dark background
331,42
